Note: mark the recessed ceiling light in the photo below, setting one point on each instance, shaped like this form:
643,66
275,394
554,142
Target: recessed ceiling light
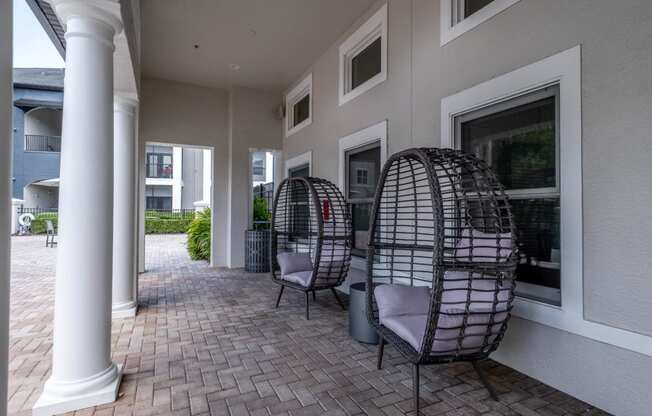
234,67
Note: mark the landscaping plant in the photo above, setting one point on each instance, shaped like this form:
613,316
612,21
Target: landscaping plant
199,236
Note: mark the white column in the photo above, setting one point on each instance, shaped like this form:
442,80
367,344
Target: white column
177,176
6,138
83,374
207,179
124,208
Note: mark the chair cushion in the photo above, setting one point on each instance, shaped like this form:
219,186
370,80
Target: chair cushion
476,246
399,300
294,262
404,310
412,329
302,278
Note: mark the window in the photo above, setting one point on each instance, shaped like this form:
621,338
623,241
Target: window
363,171
362,176
460,16
519,139
363,57
298,103
258,166
158,197
361,157
159,165
302,171
158,161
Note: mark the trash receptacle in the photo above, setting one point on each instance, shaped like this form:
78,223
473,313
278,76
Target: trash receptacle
359,327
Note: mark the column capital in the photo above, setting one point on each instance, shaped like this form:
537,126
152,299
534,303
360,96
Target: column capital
105,11
124,104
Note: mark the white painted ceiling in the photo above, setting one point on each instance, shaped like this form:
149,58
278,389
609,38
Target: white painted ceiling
271,41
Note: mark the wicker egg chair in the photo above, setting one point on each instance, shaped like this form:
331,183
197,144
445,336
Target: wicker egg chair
442,258
311,237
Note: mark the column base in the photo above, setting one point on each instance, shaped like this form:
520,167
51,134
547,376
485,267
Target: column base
53,401
124,310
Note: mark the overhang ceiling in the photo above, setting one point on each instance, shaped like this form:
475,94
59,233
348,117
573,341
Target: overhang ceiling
262,44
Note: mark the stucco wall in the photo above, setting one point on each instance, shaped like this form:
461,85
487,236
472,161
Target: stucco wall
616,123
229,122
184,114
253,125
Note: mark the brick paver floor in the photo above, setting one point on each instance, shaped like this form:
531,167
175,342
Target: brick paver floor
209,341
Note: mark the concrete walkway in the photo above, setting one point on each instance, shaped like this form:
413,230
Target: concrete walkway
209,341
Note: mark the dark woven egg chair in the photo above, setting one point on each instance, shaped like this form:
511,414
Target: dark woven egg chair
311,237
442,258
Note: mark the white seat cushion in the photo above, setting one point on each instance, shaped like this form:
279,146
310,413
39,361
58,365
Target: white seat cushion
404,310
476,246
302,278
294,262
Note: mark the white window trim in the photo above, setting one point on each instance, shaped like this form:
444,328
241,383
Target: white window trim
564,69
302,159
371,134
450,30
293,97
372,29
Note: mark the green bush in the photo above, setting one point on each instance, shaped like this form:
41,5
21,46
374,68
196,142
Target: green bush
166,226
38,225
261,213
199,236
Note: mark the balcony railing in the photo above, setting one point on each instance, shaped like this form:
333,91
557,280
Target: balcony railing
159,170
41,143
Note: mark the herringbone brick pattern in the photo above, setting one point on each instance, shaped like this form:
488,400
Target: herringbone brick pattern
209,341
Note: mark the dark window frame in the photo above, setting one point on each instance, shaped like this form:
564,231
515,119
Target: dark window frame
350,202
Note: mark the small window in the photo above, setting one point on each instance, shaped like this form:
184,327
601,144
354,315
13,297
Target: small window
366,64
460,16
519,139
298,103
363,57
301,111
362,173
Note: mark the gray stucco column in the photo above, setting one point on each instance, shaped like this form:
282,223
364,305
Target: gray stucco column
6,137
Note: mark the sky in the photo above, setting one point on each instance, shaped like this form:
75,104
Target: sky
32,46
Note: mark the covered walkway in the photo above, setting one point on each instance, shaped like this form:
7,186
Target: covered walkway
209,341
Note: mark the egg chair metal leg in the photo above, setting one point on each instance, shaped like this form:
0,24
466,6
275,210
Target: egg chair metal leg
280,293
338,299
307,306
381,350
415,386
485,380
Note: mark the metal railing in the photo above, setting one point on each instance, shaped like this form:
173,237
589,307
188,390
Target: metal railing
159,170
185,213
42,143
37,211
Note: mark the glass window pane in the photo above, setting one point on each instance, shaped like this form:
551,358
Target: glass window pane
301,110
537,224
363,173
366,64
300,172
518,143
472,6
360,214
